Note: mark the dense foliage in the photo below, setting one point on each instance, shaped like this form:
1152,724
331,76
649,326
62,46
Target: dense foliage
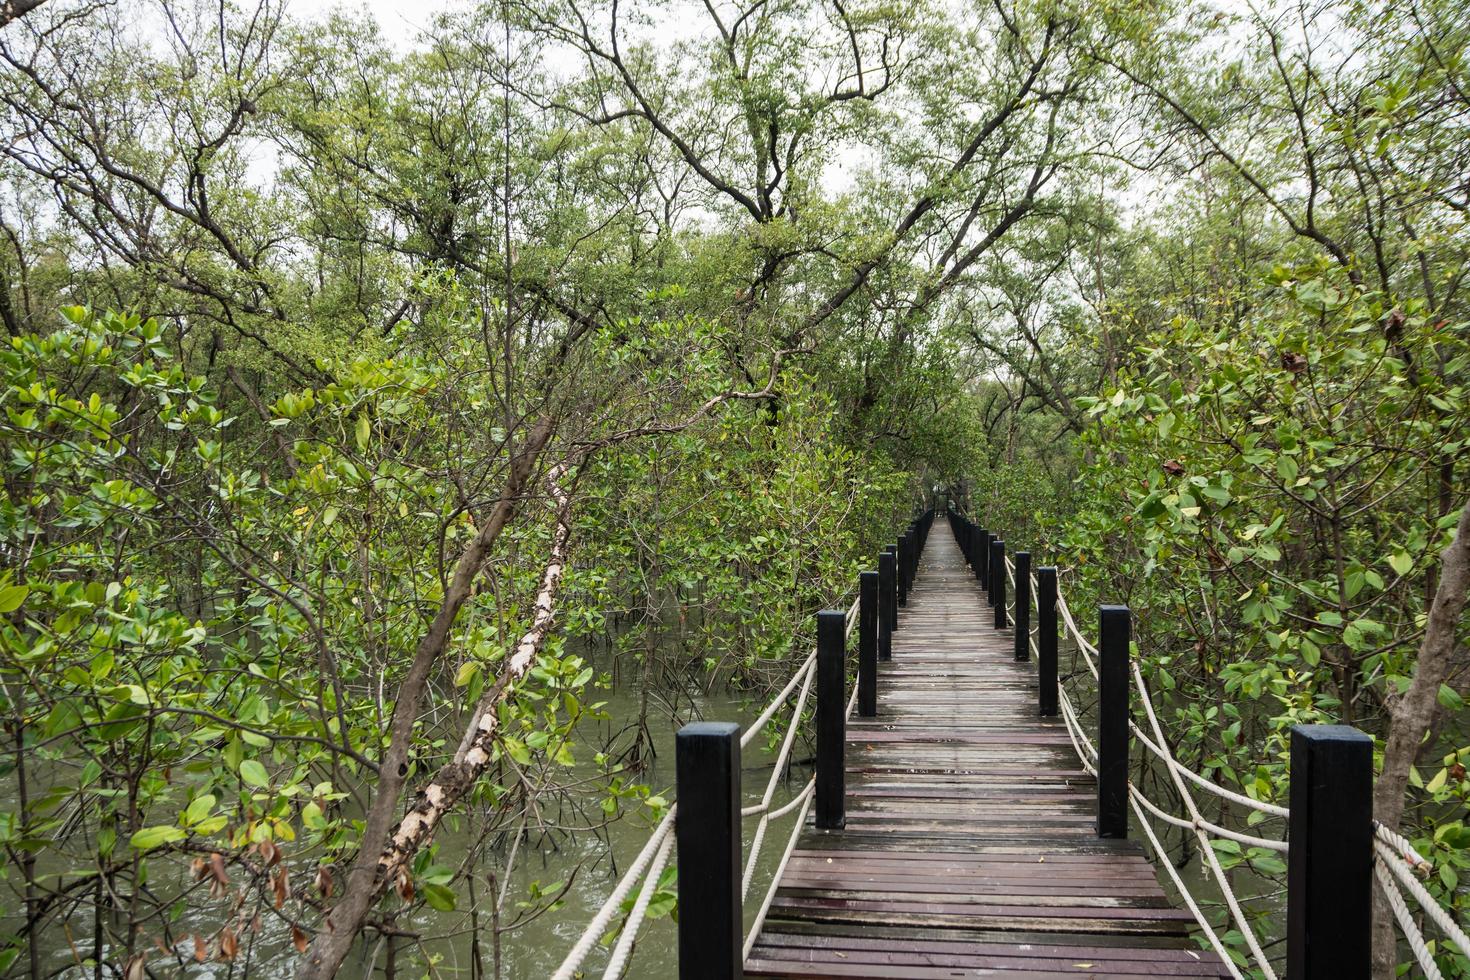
454,413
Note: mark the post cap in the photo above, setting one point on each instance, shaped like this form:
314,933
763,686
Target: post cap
1329,733
708,729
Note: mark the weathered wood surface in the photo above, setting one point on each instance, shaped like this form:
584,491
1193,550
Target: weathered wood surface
970,847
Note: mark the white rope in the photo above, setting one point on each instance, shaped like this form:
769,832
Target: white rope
760,831
1183,891
758,840
604,915
1407,925
765,717
1088,650
1209,852
1406,851
1396,862
653,857
1195,823
619,960
795,801
1168,759
1081,742
805,797
1427,902
1212,829
1079,738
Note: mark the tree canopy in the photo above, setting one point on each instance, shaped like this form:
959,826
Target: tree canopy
373,407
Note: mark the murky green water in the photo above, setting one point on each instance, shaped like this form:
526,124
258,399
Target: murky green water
532,941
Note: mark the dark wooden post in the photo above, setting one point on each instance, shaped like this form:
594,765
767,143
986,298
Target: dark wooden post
707,832
887,607
1114,627
831,720
998,581
911,538
868,644
1046,638
982,564
1023,605
905,542
892,595
916,542
1329,875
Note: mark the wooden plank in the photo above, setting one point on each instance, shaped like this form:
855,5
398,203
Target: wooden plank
970,846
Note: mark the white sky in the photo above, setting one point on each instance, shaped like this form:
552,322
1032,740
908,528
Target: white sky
400,22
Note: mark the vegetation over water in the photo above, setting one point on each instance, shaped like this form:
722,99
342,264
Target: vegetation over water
374,405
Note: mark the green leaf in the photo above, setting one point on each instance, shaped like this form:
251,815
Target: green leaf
254,773
439,897
199,809
1400,563
312,818
517,750
1268,864
1286,468
150,837
211,825
12,596
364,431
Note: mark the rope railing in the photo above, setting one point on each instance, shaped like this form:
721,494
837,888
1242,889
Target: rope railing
1195,822
805,796
1398,866
1182,777
1011,592
618,961
602,918
651,861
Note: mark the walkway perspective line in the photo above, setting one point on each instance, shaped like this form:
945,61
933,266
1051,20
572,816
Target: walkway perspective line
970,846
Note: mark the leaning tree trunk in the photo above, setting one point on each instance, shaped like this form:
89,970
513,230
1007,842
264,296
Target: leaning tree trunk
364,880
1412,715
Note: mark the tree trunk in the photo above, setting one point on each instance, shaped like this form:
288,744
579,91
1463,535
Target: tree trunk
364,887
1412,714
16,9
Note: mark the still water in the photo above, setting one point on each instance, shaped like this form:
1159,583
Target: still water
459,944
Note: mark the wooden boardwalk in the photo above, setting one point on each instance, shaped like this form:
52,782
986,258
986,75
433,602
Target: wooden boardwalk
970,848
